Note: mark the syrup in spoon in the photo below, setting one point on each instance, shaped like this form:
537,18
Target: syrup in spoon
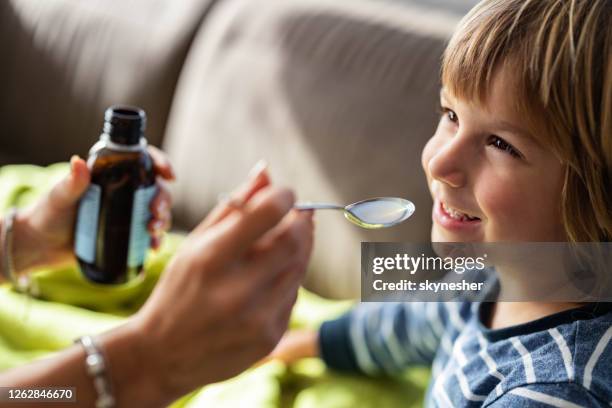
373,213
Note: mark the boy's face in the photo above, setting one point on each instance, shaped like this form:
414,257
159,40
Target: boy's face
490,180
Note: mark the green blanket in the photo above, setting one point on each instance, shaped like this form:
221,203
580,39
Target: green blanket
69,306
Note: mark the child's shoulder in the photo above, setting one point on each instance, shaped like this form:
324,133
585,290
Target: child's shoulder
592,354
563,359
575,356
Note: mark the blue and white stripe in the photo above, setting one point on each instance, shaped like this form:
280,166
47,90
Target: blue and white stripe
566,365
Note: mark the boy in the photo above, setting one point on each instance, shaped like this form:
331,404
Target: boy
523,152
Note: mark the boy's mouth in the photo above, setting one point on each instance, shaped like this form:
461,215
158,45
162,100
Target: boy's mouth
456,214
455,221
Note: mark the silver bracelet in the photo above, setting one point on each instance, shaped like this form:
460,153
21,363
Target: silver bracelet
97,369
7,246
20,283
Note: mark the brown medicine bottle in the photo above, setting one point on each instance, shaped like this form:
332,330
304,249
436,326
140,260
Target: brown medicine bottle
111,236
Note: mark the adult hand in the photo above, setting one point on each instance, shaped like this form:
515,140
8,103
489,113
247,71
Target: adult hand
44,232
225,298
221,305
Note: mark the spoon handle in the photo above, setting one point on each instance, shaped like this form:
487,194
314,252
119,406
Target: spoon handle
317,206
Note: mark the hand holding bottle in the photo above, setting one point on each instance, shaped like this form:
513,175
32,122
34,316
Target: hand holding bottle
43,233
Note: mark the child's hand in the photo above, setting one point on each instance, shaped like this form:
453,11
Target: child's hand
44,232
295,345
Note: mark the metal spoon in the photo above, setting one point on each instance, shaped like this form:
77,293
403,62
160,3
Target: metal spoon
373,213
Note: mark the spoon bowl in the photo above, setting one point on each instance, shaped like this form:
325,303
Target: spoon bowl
380,212
372,213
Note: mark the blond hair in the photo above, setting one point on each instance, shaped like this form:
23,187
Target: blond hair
560,55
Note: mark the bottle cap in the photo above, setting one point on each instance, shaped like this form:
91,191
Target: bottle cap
125,124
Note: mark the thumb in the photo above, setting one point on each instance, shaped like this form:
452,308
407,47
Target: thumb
68,191
238,232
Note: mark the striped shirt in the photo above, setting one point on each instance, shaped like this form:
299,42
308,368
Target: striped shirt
562,360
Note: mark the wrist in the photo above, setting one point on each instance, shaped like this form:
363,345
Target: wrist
131,370
25,245
316,349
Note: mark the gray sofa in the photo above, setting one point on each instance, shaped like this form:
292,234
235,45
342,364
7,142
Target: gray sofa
338,96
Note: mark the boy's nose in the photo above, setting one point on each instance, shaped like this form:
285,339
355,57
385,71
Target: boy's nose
448,165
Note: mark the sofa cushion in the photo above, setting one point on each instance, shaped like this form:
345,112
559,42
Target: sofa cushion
65,61
339,97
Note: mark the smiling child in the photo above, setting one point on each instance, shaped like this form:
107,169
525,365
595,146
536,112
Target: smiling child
522,153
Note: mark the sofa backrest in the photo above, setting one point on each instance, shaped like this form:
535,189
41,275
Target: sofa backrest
339,96
64,61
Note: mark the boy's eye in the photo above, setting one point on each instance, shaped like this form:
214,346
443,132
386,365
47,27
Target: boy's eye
449,114
502,145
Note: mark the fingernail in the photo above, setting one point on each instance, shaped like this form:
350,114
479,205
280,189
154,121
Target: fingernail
257,169
155,228
73,160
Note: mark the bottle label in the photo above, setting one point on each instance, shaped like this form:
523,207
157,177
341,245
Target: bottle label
87,224
140,240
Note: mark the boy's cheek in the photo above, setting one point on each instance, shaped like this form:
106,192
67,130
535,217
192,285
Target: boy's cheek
523,210
513,215
503,208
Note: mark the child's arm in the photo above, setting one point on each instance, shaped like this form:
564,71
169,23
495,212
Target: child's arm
372,338
295,345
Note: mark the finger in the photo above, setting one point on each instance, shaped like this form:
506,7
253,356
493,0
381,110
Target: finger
296,271
286,315
267,269
155,242
281,298
261,271
161,163
161,216
66,193
275,234
289,241
157,226
275,302
157,229
232,237
162,202
258,179
285,309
